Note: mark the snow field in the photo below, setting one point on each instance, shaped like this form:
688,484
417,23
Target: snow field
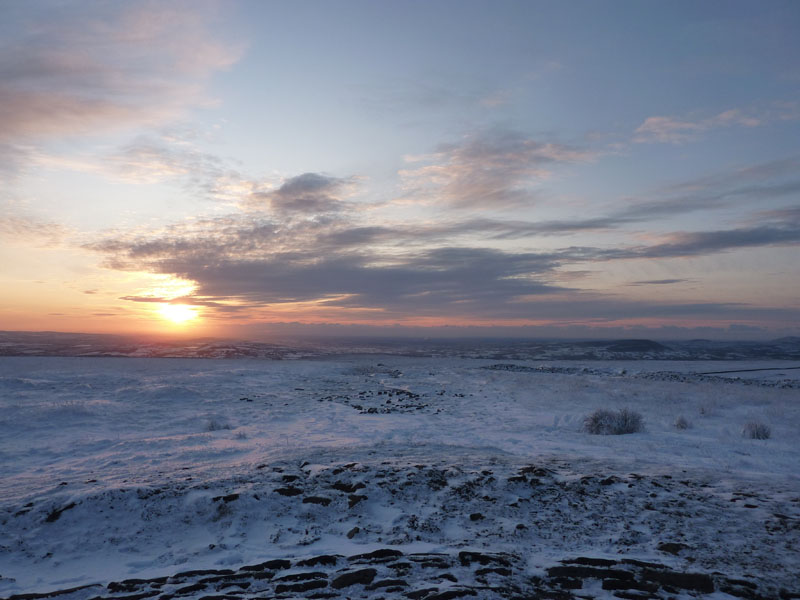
120,468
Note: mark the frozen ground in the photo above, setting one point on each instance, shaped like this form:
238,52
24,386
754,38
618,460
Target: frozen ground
119,469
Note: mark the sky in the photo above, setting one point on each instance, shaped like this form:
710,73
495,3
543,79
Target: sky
537,169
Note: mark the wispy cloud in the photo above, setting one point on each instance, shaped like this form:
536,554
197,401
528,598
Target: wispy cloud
92,67
490,169
676,130
28,229
659,282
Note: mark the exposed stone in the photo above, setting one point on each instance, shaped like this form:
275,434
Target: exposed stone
687,581
355,499
584,572
305,586
272,565
327,560
362,576
316,500
382,554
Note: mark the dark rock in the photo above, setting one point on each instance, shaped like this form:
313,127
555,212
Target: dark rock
201,573
55,514
195,587
355,499
584,572
476,517
417,594
643,564
635,595
326,559
378,555
449,594
353,532
139,596
348,488
272,565
300,587
226,499
466,558
590,562
673,548
739,591
240,584
686,581
289,491
384,583
567,583
362,576
316,500
303,576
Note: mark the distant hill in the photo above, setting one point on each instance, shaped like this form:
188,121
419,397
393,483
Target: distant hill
16,343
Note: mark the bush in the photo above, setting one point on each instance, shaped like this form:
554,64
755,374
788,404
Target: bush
216,425
607,422
756,431
682,423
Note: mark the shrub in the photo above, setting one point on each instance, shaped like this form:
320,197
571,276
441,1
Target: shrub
216,425
607,422
682,423
756,430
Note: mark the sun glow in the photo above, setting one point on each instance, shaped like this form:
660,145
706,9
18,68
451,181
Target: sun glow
178,314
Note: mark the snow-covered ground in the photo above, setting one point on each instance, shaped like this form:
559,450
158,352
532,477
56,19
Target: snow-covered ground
113,469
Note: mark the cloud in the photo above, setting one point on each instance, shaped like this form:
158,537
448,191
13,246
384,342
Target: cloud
305,195
28,228
92,67
490,169
659,282
675,130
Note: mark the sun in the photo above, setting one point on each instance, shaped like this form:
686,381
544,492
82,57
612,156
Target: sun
178,314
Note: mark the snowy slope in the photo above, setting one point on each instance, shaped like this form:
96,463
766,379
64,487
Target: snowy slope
113,469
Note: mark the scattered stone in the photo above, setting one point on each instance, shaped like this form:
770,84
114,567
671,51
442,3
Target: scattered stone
449,594
226,499
466,558
289,491
272,565
685,581
353,532
590,562
301,587
55,514
355,499
673,548
378,555
586,572
383,583
327,560
417,594
348,488
303,576
316,500
362,577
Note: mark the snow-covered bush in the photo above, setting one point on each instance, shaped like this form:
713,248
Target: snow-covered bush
217,425
682,423
756,430
607,422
